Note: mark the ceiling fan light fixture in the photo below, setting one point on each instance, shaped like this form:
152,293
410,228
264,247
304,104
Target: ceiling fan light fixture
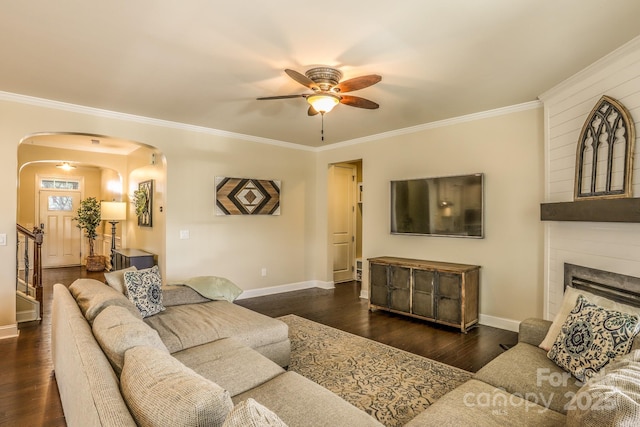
323,102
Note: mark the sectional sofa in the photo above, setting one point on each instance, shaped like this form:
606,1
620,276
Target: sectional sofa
211,362
198,362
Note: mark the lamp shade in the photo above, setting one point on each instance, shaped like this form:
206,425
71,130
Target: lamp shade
323,102
113,211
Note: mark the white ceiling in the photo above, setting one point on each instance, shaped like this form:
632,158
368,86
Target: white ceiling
203,62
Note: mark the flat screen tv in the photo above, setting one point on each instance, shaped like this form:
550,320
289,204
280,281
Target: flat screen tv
450,206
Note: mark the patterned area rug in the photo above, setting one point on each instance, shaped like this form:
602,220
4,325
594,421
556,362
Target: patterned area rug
390,384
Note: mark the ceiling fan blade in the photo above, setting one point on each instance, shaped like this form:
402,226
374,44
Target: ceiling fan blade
358,83
356,101
282,97
312,111
302,79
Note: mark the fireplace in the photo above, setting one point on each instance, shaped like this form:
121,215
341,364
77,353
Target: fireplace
617,287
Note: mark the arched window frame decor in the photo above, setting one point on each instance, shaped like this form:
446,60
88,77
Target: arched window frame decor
610,127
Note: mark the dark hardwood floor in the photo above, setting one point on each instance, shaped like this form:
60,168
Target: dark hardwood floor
29,394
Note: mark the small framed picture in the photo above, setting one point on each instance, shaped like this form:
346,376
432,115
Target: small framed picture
144,203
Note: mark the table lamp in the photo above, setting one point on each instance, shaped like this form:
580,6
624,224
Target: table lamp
113,212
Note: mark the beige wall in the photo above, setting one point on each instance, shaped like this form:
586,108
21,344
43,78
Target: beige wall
508,149
236,247
145,164
293,246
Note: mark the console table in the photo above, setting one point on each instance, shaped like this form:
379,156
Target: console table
132,257
440,292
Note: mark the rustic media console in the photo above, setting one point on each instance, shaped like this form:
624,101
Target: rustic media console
440,292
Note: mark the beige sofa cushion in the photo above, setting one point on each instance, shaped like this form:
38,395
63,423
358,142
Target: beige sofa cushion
299,401
115,279
250,413
185,326
234,366
527,371
160,391
611,398
478,404
93,296
117,330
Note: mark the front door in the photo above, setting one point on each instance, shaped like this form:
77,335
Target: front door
61,243
342,198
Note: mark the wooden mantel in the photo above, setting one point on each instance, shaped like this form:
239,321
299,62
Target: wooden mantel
598,210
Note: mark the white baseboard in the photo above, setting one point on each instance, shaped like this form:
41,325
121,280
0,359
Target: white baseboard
499,322
252,293
27,316
9,331
496,322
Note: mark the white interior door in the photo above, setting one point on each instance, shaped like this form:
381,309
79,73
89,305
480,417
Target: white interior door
61,243
342,200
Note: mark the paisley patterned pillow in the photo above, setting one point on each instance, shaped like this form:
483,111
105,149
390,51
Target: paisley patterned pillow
144,290
591,337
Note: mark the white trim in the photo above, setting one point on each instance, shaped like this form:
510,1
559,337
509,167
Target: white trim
9,331
272,290
364,294
27,316
64,106
499,322
57,105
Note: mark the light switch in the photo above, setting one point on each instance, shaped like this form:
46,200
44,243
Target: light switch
3,239
184,234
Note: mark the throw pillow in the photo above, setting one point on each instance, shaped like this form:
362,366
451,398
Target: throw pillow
144,289
610,398
591,337
115,279
569,302
250,413
161,391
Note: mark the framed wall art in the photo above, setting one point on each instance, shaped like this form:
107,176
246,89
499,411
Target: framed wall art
143,200
244,196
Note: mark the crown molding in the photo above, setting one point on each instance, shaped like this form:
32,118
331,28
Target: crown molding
80,109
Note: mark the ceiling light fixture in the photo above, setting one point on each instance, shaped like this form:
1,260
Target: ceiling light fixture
323,102
65,166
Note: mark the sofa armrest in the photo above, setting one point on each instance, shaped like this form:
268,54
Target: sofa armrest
533,330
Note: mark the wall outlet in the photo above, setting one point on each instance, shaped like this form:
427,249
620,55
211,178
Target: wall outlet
264,272
3,242
184,234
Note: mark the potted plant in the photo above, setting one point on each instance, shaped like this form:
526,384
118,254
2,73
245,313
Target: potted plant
88,218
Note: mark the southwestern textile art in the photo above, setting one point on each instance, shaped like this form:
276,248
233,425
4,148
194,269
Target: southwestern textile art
242,196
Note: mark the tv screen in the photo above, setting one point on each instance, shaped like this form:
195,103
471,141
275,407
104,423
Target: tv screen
443,206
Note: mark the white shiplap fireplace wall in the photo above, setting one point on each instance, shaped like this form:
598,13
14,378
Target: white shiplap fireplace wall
607,246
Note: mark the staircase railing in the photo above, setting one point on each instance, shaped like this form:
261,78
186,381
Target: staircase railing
31,262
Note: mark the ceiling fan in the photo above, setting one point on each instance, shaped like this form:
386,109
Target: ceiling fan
328,89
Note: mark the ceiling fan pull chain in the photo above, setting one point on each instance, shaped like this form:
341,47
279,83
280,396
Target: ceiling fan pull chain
322,131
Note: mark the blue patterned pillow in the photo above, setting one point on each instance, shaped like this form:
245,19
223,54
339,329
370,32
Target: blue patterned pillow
144,290
591,337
